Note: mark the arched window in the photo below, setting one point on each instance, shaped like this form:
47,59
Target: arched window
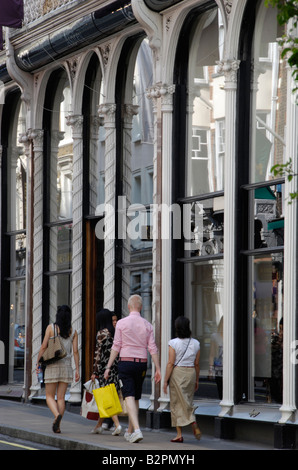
198,163
58,158
263,236
14,240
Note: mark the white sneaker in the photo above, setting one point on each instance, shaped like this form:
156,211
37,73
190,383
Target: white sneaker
127,435
136,436
117,431
104,426
98,430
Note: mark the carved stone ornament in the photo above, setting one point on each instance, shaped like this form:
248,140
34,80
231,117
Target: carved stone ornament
229,69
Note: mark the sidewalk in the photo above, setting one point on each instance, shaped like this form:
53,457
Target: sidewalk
34,423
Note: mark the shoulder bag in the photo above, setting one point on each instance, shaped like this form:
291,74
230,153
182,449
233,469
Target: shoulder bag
55,349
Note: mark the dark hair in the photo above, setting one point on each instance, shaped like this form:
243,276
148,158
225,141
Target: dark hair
104,320
63,320
182,327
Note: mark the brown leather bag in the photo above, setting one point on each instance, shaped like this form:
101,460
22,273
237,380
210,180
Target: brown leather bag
55,349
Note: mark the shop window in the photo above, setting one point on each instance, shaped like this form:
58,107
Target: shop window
200,250
135,177
266,199
16,244
58,163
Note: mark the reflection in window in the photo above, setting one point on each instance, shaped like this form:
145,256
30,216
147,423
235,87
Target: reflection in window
268,216
60,287
206,108
266,328
16,233
139,185
268,98
204,297
17,339
207,227
61,247
61,155
59,166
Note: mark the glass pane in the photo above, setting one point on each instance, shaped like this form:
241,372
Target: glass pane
265,327
206,109
17,331
138,150
60,293
269,92
61,247
204,298
268,216
205,234
17,179
18,255
93,96
61,158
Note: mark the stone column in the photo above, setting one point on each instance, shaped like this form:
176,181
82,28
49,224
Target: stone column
290,262
229,68
95,122
37,258
76,123
129,111
162,95
108,111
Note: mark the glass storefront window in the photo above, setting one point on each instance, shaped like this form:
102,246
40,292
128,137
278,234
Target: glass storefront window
60,293
206,228
268,97
137,181
201,198
61,158
266,211
17,339
17,243
204,297
206,108
268,206
61,247
265,328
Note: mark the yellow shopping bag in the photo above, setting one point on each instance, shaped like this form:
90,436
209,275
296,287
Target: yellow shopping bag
107,401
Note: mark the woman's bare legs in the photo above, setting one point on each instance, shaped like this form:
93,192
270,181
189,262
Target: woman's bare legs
57,408
61,391
50,398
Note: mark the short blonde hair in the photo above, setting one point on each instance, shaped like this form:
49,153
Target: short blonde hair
135,302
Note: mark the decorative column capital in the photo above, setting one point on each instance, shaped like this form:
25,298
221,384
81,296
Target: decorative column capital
76,123
108,111
160,90
36,135
164,92
229,68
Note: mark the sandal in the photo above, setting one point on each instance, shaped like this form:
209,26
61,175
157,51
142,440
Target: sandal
196,431
56,424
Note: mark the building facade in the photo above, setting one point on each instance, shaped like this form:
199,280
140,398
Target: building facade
137,146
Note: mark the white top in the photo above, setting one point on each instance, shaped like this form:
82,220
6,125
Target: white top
187,349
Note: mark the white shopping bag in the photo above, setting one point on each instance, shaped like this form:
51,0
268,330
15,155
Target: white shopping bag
89,408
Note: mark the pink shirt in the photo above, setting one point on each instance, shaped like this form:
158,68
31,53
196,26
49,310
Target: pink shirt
133,335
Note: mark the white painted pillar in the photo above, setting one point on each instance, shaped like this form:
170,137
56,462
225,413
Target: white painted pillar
76,122
290,261
229,68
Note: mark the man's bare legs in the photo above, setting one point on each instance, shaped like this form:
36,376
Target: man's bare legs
133,414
